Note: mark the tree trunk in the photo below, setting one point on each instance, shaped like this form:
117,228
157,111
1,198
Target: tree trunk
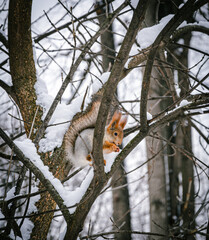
157,185
121,209
174,185
183,139
107,40
156,166
42,222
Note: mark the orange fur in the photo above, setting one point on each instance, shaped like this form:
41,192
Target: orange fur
114,133
111,141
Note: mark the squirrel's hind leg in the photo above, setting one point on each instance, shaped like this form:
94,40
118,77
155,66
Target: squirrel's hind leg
88,158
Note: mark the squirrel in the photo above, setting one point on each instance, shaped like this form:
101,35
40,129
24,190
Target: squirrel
78,140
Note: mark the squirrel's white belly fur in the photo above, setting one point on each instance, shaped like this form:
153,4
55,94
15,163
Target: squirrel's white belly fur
83,147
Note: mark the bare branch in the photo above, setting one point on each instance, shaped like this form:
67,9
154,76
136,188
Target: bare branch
7,89
191,28
67,24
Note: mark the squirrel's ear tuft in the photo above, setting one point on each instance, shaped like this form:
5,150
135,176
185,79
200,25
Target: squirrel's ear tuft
115,120
123,121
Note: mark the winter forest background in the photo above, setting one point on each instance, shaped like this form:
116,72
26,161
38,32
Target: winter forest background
149,55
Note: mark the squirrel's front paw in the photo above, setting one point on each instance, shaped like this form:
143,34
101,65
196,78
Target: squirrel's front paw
115,148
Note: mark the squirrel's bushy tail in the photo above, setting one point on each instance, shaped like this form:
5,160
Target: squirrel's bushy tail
84,120
80,122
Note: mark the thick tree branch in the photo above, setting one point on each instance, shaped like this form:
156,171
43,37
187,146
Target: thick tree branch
190,28
111,85
142,56
6,156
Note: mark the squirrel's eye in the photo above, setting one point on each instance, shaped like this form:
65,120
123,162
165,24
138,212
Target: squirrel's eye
115,133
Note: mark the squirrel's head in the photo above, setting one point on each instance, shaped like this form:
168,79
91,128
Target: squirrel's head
114,131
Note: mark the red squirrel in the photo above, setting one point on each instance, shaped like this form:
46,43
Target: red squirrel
78,139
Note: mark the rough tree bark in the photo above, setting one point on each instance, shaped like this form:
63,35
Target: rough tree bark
22,65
